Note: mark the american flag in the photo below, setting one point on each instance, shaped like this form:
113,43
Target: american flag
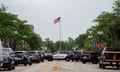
57,20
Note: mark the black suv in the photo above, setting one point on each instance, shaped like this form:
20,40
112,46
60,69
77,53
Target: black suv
85,56
95,57
7,59
34,56
48,56
76,55
22,57
90,56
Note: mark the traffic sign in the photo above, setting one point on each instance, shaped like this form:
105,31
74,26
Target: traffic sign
100,45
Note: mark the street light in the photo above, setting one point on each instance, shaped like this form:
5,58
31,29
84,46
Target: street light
100,33
24,42
90,40
14,43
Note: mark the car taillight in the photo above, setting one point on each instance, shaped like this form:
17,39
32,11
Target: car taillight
90,56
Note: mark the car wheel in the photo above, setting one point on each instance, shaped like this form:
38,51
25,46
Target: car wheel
10,67
30,63
50,59
16,64
42,60
13,67
77,60
38,61
103,67
72,60
100,65
25,64
67,59
117,67
84,62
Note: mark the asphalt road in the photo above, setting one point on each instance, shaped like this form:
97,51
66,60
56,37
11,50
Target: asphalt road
61,66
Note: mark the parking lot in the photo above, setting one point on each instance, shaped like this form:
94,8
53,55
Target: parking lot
61,66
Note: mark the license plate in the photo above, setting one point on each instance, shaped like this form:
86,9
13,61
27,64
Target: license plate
114,63
18,58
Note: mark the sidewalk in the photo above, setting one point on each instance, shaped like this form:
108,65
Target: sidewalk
43,67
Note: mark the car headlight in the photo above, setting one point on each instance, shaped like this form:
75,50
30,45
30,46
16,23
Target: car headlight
6,60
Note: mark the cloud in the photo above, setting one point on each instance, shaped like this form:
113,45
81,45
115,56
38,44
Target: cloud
35,3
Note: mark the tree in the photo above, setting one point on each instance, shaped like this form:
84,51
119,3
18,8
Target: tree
50,45
105,24
9,23
109,23
80,40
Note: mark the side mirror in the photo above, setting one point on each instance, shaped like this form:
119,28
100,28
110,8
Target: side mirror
12,54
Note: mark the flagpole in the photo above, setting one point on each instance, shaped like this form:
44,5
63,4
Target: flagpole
60,35
58,20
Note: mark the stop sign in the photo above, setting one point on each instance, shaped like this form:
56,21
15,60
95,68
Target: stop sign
100,45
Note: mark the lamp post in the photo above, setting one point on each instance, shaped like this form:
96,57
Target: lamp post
24,46
100,33
14,43
90,40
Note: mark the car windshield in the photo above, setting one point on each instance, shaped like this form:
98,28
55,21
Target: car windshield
63,52
112,49
18,53
77,53
32,52
5,51
86,52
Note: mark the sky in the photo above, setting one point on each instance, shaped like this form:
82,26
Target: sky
76,15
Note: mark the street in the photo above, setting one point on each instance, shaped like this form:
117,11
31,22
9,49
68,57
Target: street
62,66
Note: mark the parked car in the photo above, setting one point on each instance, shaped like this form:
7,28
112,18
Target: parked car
21,57
85,56
7,59
61,55
69,55
94,58
42,56
35,57
76,55
90,56
48,56
110,57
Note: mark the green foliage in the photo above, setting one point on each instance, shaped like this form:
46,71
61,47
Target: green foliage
49,44
9,23
109,23
34,41
80,40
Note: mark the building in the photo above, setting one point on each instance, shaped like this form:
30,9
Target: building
31,27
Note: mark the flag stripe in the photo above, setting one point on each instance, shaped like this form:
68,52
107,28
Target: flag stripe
57,20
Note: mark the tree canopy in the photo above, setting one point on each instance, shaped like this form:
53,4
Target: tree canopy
13,30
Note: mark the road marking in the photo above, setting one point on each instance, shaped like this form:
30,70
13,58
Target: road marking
55,69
